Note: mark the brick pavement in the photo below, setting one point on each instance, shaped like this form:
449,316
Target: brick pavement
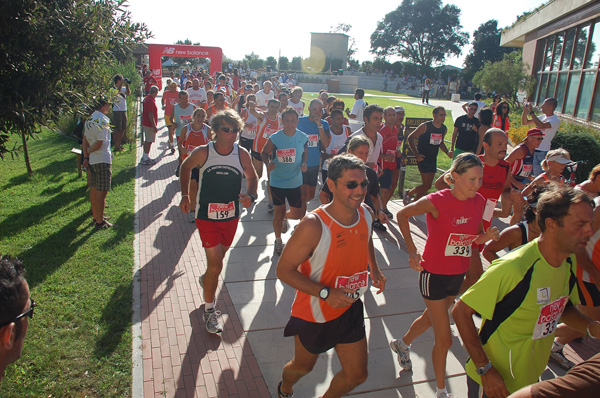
180,359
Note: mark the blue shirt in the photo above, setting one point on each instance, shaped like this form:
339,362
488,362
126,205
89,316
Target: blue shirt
287,155
310,128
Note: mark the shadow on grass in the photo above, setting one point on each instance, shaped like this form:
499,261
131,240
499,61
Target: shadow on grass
51,253
123,226
116,318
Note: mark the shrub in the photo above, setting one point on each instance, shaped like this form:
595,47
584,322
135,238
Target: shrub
582,145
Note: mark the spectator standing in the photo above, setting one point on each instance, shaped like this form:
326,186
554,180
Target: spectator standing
548,122
466,137
149,124
120,109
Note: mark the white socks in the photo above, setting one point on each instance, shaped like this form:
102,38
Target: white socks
557,346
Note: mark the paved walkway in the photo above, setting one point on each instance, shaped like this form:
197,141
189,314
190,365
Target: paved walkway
178,358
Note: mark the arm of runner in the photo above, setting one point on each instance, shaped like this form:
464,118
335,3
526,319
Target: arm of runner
528,190
419,131
481,132
422,206
196,158
172,118
376,275
251,178
515,155
440,183
584,261
257,114
508,237
264,155
324,136
505,200
181,141
454,135
492,233
303,166
301,244
492,381
572,317
444,149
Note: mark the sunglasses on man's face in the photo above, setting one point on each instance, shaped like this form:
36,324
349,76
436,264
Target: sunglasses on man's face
229,130
28,313
355,184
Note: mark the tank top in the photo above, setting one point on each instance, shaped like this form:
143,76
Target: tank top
264,131
524,232
195,138
430,141
219,185
339,260
450,236
214,111
522,168
250,126
299,107
337,143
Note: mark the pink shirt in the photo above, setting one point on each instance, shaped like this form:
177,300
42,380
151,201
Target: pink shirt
390,143
448,247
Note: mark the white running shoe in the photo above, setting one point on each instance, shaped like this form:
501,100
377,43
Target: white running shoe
403,354
211,319
278,246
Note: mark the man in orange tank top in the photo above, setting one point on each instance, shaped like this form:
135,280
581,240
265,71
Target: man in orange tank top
326,261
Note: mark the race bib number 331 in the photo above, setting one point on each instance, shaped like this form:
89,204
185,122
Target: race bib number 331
459,245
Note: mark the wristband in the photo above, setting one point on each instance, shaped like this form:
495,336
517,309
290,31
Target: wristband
587,330
185,196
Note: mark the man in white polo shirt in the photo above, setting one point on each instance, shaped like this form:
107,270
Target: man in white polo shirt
548,123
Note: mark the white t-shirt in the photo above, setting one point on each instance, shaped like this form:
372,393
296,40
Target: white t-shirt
374,148
97,128
299,107
197,96
120,104
357,109
262,98
549,133
480,106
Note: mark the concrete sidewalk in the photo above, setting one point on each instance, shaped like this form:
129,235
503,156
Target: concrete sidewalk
180,359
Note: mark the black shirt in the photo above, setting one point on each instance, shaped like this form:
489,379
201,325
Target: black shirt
467,138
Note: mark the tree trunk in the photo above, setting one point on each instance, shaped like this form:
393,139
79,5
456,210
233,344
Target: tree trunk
26,153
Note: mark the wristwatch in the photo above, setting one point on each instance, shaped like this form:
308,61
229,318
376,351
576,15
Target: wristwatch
252,197
483,369
324,293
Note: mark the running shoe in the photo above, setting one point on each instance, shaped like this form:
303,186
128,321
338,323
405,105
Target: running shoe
103,225
406,198
444,395
172,148
283,394
212,322
285,226
148,161
403,354
278,246
561,360
388,213
379,226
270,207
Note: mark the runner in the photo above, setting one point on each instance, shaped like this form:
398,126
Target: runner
181,116
331,247
218,105
389,132
521,167
591,186
287,151
194,135
169,99
197,94
268,124
250,123
465,137
339,134
553,166
431,137
221,164
445,258
521,297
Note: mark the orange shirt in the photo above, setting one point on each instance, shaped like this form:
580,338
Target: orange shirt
194,139
170,98
264,131
339,260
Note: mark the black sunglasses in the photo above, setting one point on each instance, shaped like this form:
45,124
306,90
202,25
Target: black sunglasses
355,184
229,130
28,313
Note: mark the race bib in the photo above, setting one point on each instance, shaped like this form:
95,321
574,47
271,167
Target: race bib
221,211
286,155
172,101
459,245
313,140
190,148
185,119
358,282
435,139
526,171
488,212
268,133
548,319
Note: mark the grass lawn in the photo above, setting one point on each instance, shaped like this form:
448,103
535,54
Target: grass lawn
79,341
383,99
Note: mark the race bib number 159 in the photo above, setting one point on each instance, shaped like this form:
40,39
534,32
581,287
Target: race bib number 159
221,211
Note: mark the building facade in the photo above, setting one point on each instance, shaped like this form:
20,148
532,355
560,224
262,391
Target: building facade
561,46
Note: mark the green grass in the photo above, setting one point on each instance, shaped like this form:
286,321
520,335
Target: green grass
79,342
383,99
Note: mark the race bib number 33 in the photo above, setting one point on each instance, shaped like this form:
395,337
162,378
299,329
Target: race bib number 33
548,319
459,245
313,140
221,211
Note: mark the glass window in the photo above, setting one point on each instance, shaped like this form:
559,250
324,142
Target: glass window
594,50
566,61
587,88
557,51
560,90
580,47
542,89
596,110
548,57
551,85
572,93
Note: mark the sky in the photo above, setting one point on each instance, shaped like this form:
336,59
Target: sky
273,28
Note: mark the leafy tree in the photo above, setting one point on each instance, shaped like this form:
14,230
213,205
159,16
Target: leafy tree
421,31
284,63
253,61
53,60
486,47
271,63
506,77
345,28
381,64
365,65
297,63
353,64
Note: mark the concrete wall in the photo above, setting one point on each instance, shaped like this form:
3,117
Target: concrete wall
333,45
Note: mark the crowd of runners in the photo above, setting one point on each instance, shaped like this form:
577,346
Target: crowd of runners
228,129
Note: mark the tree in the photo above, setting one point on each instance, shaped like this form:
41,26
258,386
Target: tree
271,63
421,31
297,63
253,61
486,47
506,77
345,28
284,63
54,58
